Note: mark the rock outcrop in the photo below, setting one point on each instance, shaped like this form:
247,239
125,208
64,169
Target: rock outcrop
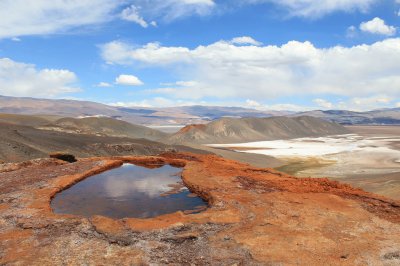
255,217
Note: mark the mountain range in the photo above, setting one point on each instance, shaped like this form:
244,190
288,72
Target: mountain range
182,115
374,117
144,116
24,137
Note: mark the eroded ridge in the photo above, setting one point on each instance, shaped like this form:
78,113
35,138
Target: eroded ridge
256,217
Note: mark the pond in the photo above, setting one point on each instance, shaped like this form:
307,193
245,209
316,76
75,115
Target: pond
129,191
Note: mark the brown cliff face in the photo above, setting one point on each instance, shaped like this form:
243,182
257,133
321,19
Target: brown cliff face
256,217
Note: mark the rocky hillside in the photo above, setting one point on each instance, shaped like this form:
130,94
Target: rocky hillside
20,143
28,120
230,130
104,126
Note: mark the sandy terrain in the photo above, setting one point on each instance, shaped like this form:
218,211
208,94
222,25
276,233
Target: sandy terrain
368,158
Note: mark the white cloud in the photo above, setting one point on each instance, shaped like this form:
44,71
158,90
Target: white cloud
377,26
315,9
253,104
374,100
39,17
132,14
20,79
47,17
288,107
169,10
245,40
323,103
154,102
19,18
398,104
103,85
226,70
351,32
366,103
128,80
152,53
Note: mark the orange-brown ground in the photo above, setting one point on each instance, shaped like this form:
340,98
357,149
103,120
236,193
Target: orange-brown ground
256,217
194,126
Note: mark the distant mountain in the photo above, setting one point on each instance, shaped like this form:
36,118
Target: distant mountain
143,116
378,117
216,112
230,130
183,115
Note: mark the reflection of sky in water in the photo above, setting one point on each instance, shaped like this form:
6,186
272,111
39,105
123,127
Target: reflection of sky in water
127,191
151,182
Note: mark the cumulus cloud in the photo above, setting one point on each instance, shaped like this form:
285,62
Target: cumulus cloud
128,80
377,26
131,13
20,79
146,103
323,103
223,69
366,103
117,52
47,17
253,104
245,40
103,85
315,9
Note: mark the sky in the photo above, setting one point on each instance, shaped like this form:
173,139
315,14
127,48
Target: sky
266,54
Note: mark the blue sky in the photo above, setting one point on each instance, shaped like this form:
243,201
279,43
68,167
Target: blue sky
265,54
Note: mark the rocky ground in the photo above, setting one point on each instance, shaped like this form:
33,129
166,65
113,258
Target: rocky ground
255,217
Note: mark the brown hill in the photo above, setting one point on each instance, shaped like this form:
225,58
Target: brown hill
230,130
28,120
104,126
20,143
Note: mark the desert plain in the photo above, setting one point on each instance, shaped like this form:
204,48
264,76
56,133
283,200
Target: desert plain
368,157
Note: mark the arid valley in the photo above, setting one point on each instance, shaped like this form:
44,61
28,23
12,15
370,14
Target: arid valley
147,197
200,132
368,158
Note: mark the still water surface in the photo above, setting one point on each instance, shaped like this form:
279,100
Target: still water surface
129,191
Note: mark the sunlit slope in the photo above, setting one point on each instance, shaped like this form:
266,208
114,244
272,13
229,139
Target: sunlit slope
230,130
105,126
